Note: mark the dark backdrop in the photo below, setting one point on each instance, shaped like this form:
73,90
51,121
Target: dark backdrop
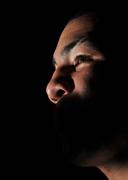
29,145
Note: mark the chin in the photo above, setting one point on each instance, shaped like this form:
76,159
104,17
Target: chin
84,129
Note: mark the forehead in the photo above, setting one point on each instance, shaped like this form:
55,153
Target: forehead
75,29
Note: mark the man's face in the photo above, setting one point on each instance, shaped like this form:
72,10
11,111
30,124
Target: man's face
75,59
79,88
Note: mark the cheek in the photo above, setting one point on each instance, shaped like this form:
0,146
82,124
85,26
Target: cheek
82,81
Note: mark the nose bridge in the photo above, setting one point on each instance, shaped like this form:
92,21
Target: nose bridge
63,71
59,72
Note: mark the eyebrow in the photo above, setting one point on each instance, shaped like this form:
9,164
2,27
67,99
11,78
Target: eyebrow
70,46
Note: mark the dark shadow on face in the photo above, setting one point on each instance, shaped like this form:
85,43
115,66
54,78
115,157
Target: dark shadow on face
92,123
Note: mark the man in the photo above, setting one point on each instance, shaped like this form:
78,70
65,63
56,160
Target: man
87,91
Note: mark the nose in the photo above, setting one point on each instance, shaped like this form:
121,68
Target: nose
61,84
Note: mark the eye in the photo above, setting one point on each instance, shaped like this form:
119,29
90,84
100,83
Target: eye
82,59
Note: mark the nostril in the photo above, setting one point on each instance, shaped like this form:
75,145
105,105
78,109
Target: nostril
60,93
58,96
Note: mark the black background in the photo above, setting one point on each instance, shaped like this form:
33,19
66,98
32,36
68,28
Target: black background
29,145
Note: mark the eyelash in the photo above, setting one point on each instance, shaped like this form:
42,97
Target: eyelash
82,59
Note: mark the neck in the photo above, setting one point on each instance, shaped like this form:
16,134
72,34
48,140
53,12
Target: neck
115,172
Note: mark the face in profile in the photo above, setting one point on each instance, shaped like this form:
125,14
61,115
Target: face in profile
80,90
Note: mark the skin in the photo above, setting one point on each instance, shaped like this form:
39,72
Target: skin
76,59
70,63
